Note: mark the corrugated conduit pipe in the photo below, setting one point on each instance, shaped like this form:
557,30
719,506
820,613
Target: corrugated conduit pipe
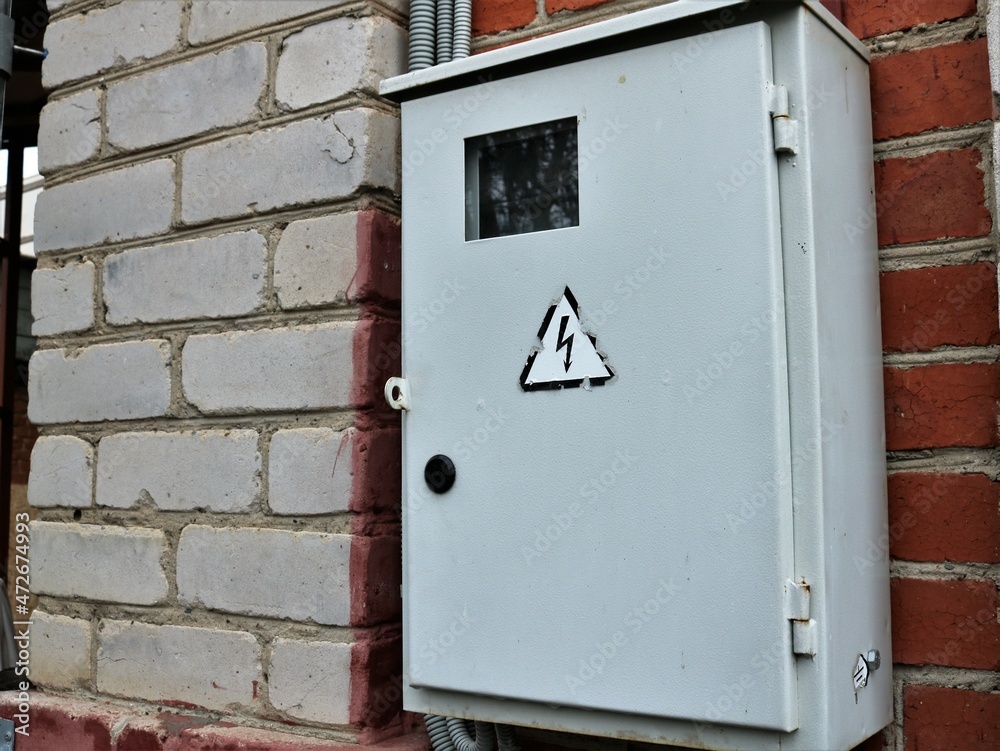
452,734
445,31
422,47
462,45
440,31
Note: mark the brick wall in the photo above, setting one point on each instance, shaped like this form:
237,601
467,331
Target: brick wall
217,294
216,301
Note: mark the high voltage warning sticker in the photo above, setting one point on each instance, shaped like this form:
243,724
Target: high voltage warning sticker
568,356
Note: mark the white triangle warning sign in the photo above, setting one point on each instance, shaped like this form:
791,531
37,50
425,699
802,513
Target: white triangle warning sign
568,356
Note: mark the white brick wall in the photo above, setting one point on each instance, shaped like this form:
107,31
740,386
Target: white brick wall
310,471
332,59
62,472
214,19
216,470
316,260
303,367
334,155
303,576
69,131
60,650
84,44
222,276
222,181
62,300
214,669
311,680
104,382
109,564
136,201
211,91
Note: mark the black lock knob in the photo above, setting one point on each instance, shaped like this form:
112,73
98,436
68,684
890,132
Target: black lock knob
439,473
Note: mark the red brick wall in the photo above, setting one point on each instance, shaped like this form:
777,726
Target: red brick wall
932,118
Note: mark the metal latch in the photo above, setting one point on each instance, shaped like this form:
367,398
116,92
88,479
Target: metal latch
786,130
397,393
797,611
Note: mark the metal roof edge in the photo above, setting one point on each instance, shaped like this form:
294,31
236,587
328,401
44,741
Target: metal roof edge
416,83
399,86
838,27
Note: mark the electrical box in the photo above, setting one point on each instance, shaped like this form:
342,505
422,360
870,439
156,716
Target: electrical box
644,474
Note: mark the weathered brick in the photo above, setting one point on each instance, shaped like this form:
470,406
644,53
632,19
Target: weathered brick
944,517
215,19
554,6
88,43
136,201
214,669
322,471
950,719
375,580
868,18
338,258
377,470
310,471
62,472
376,668
123,381
311,680
502,15
59,723
69,131
216,470
62,300
938,87
309,161
223,276
60,650
931,307
941,406
951,623
208,92
332,59
302,576
930,197
108,564
301,367
992,34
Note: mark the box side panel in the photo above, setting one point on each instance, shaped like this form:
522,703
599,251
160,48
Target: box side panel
855,597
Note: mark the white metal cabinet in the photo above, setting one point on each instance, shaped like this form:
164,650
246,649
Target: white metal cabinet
622,555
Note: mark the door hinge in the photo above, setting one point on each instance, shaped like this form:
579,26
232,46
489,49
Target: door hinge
797,611
786,130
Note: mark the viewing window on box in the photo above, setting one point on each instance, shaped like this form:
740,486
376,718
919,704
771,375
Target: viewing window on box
522,180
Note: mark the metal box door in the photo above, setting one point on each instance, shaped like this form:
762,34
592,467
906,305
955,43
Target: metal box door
624,544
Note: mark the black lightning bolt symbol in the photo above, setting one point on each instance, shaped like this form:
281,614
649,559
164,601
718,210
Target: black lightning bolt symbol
567,342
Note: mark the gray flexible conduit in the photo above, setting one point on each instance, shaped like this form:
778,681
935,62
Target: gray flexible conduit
505,738
464,741
437,729
440,31
452,734
445,36
422,46
462,45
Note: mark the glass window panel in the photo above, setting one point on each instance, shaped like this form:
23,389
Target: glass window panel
523,180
